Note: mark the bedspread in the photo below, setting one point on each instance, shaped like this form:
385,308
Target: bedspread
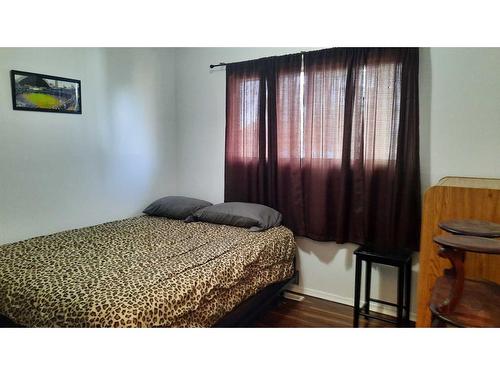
140,272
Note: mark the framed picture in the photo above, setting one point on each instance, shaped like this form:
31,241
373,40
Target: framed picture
44,93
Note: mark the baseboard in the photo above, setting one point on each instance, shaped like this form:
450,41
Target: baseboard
377,307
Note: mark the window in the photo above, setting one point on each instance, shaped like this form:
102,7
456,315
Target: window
378,94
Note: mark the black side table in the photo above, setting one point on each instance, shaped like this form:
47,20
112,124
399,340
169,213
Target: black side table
400,259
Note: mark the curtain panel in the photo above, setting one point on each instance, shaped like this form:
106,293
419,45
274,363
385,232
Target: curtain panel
330,139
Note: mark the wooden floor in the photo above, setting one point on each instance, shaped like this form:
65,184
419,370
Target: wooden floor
312,313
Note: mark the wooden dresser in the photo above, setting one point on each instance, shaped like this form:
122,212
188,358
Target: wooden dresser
455,198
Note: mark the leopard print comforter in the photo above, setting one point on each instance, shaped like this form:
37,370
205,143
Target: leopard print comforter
140,272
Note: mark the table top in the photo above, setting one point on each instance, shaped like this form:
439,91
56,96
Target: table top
469,243
471,227
369,253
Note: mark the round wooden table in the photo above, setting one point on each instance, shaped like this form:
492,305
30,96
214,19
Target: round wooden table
462,302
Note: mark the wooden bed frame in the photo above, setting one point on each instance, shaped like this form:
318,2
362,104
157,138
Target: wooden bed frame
242,316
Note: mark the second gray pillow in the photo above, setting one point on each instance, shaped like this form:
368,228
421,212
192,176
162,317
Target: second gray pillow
256,217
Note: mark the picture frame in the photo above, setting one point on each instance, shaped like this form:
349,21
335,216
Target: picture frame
45,93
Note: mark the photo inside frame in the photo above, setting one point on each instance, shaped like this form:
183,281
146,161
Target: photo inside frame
37,92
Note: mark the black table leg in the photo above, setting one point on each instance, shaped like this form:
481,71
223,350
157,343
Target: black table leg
403,264
368,282
357,292
400,295
407,292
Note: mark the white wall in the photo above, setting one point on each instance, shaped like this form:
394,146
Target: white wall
460,134
61,171
461,101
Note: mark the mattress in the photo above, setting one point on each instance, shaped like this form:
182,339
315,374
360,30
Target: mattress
140,272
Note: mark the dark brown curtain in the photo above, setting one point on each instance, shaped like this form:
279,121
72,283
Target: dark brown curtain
246,132
333,143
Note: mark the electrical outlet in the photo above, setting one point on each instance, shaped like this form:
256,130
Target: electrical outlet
292,296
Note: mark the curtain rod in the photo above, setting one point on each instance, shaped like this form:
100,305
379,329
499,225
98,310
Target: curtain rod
290,54
224,64
219,64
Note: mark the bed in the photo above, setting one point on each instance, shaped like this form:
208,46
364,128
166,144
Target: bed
141,272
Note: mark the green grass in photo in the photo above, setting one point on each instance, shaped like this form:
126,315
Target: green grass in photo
42,100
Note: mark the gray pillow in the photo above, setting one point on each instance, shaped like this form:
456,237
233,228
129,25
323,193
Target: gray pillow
256,217
175,207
